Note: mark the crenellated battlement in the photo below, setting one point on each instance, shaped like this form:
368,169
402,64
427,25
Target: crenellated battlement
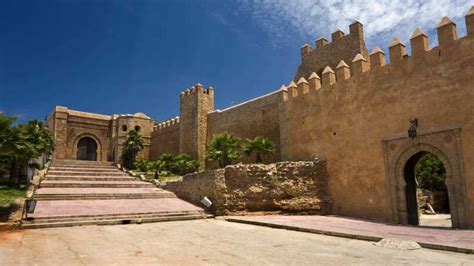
341,47
197,89
362,67
167,124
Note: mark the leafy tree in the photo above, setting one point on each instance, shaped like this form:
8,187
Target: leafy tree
20,143
223,149
260,146
131,147
430,173
183,164
7,143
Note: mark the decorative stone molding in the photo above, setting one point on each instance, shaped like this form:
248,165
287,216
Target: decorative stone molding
446,145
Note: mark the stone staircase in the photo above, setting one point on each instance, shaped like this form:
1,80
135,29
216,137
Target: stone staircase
98,193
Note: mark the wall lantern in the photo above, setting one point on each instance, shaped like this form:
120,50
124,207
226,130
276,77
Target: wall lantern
412,130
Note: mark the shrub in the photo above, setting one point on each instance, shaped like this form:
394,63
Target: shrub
183,164
166,162
142,165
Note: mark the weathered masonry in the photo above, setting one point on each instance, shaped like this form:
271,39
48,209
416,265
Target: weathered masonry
345,105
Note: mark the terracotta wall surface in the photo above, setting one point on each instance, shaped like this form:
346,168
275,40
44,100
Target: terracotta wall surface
347,121
258,117
298,187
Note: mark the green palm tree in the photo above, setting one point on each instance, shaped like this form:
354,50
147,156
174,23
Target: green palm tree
260,146
223,148
131,147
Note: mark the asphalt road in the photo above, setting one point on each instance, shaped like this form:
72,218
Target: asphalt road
202,242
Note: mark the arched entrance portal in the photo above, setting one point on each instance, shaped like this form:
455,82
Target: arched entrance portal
87,149
401,154
425,191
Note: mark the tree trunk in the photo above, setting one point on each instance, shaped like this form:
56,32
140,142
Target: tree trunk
14,179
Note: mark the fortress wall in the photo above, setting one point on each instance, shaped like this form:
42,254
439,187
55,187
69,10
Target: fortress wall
165,139
258,117
345,118
342,47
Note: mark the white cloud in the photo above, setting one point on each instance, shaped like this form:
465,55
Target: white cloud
382,20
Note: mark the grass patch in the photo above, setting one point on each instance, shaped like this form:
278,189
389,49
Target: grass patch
7,196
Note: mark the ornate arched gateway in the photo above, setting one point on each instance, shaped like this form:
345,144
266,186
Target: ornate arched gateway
87,147
401,151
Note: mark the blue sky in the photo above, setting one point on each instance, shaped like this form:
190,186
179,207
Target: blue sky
123,56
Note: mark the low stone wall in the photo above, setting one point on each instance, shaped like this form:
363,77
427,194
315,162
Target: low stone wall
292,187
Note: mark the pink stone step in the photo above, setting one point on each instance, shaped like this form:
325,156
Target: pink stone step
74,191
80,183
90,178
83,169
67,208
85,193
78,173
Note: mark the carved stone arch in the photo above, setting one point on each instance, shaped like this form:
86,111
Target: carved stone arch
92,136
444,144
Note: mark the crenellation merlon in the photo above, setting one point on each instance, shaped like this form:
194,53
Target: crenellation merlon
314,81
337,35
329,77
343,71
357,29
292,89
377,57
302,86
321,42
359,65
446,32
397,50
419,43
470,22
305,49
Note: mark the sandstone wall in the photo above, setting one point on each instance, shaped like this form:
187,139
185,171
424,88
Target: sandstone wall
258,117
165,139
346,120
299,187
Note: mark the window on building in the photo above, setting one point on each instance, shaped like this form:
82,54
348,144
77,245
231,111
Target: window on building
124,128
137,128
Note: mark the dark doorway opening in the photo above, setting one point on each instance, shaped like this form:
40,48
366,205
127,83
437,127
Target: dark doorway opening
426,192
87,149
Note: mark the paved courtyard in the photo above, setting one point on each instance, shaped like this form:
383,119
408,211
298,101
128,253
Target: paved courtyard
439,238
202,242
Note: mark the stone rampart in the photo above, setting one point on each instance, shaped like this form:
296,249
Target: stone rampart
348,113
165,138
258,117
291,187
